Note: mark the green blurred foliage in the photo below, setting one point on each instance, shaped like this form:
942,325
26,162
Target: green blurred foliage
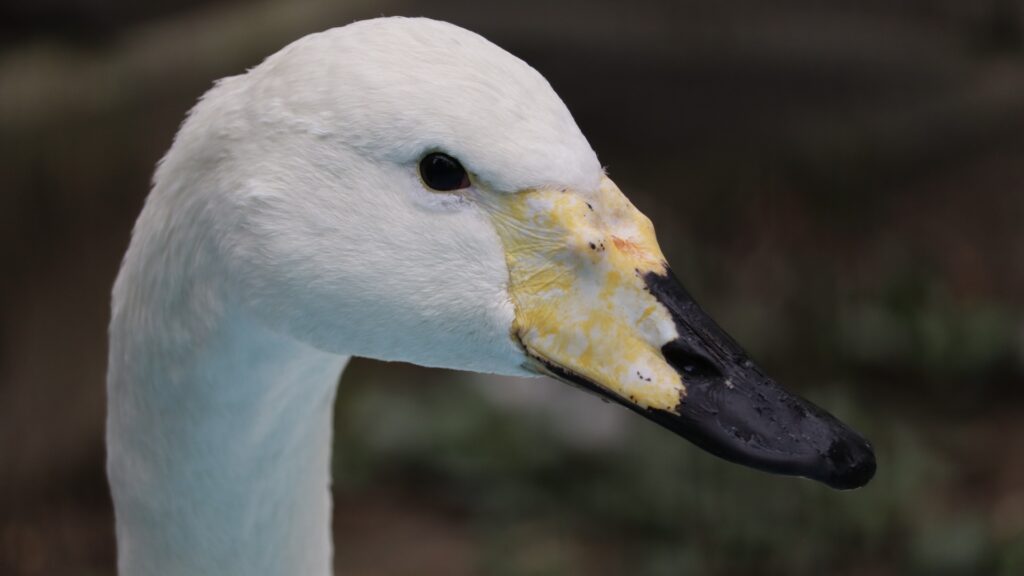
648,505
840,184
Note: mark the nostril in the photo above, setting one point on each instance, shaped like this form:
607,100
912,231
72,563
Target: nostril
689,363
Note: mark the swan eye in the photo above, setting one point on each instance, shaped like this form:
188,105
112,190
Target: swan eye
443,173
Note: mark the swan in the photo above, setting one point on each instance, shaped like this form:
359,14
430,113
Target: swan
399,189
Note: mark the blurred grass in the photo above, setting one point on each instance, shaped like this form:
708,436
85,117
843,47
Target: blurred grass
841,186
650,504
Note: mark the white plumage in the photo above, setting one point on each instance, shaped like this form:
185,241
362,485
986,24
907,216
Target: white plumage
286,230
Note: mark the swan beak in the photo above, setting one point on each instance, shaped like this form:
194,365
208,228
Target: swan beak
597,307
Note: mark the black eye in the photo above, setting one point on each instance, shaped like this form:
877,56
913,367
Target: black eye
442,172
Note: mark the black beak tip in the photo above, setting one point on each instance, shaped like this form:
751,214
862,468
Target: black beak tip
849,463
733,410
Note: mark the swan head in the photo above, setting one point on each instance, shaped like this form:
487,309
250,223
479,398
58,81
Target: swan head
403,189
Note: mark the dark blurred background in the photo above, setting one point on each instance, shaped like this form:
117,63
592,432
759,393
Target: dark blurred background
841,183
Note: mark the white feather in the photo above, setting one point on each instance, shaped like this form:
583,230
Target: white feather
287,229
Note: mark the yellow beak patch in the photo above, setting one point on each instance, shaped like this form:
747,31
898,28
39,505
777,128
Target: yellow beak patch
576,263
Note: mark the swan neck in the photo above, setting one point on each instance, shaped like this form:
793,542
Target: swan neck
219,446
